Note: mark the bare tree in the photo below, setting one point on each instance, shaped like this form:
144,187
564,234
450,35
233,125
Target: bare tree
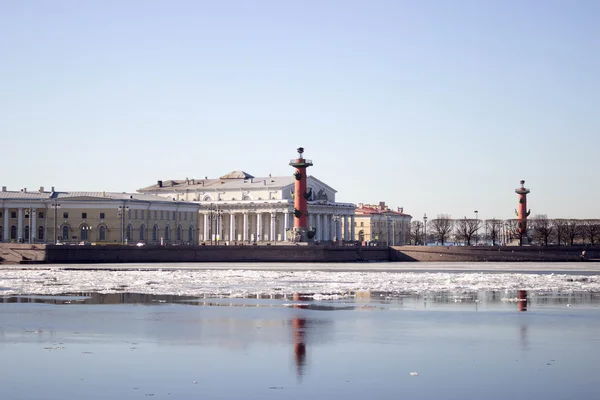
441,227
573,230
591,230
493,227
542,228
560,227
416,232
515,231
465,229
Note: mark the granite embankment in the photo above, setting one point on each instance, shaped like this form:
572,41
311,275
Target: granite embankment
39,253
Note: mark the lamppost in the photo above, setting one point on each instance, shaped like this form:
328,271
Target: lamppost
335,218
85,230
388,219
425,229
55,206
215,215
122,209
29,216
476,226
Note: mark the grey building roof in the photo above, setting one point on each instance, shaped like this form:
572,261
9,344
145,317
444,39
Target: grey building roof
20,195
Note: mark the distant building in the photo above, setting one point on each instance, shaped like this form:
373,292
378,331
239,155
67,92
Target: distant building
94,217
238,207
379,224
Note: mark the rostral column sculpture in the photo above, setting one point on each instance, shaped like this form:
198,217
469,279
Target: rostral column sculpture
301,231
522,212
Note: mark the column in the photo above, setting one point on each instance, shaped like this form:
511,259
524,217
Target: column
245,227
318,226
32,225
338,228
352,230
232,227
6,236
205,234
346,228
273,230
20,224
258,227
326,227
286,223
333,226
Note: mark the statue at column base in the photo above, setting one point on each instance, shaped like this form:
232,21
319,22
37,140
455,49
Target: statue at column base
302,235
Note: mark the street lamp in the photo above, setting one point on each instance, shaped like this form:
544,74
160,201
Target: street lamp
85,230
425,229
335,218
476,226
122,209
55,206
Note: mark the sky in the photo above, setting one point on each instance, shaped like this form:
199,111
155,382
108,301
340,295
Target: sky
440,107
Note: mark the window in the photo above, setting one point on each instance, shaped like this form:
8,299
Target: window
168,216
40,233
142,212
179,233
1,233
26,214
83,233
101,215
162,215
83,215
155,214
142,229
13,214
26,232
128,235
191,234
102,233
174,215
66,215
167,233
0,214
128,213
155,232
41,215
135,214
185,216
65,232
362,224
13,233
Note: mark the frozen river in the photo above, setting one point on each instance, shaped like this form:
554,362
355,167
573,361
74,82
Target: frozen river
267,332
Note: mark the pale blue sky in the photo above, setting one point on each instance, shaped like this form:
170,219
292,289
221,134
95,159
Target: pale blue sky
436,106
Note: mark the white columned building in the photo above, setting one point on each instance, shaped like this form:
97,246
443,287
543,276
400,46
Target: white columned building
263,202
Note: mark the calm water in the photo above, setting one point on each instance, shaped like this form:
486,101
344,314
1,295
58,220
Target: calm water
131,346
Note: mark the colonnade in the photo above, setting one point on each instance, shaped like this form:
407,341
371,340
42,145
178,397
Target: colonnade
9,234
270,226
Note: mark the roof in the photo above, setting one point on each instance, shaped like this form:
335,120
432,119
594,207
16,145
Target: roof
367,210
229,183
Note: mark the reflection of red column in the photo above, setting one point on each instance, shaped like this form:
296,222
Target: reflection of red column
299,345
300,195
522,300
522,212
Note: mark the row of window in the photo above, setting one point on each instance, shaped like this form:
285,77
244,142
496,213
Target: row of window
142,213
13,233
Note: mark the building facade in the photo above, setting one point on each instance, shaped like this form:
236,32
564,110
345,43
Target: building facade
95,217
378,224
240,208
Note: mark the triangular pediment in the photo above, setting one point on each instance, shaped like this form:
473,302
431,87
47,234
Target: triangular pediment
237,175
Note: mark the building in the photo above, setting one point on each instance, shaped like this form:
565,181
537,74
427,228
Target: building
95,217
238,207
380,224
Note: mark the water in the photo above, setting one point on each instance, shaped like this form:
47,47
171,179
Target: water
466,343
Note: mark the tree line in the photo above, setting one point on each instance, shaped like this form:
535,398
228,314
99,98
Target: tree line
540,230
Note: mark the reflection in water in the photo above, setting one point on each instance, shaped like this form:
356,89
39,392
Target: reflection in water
299,333
522,300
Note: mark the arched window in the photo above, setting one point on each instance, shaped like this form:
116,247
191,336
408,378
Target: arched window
142,233
167,233
13,233
129,233
207,198
361,236
155,233
191,234
65,232
179,233
40,232
102,234
26,237
83,233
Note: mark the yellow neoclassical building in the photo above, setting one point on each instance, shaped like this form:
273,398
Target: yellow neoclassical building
378,224
95,217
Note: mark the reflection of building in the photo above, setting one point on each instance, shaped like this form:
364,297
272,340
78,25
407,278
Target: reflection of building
98,217
252,209
380,224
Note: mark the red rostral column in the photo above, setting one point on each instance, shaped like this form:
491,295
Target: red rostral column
300,196
522,212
